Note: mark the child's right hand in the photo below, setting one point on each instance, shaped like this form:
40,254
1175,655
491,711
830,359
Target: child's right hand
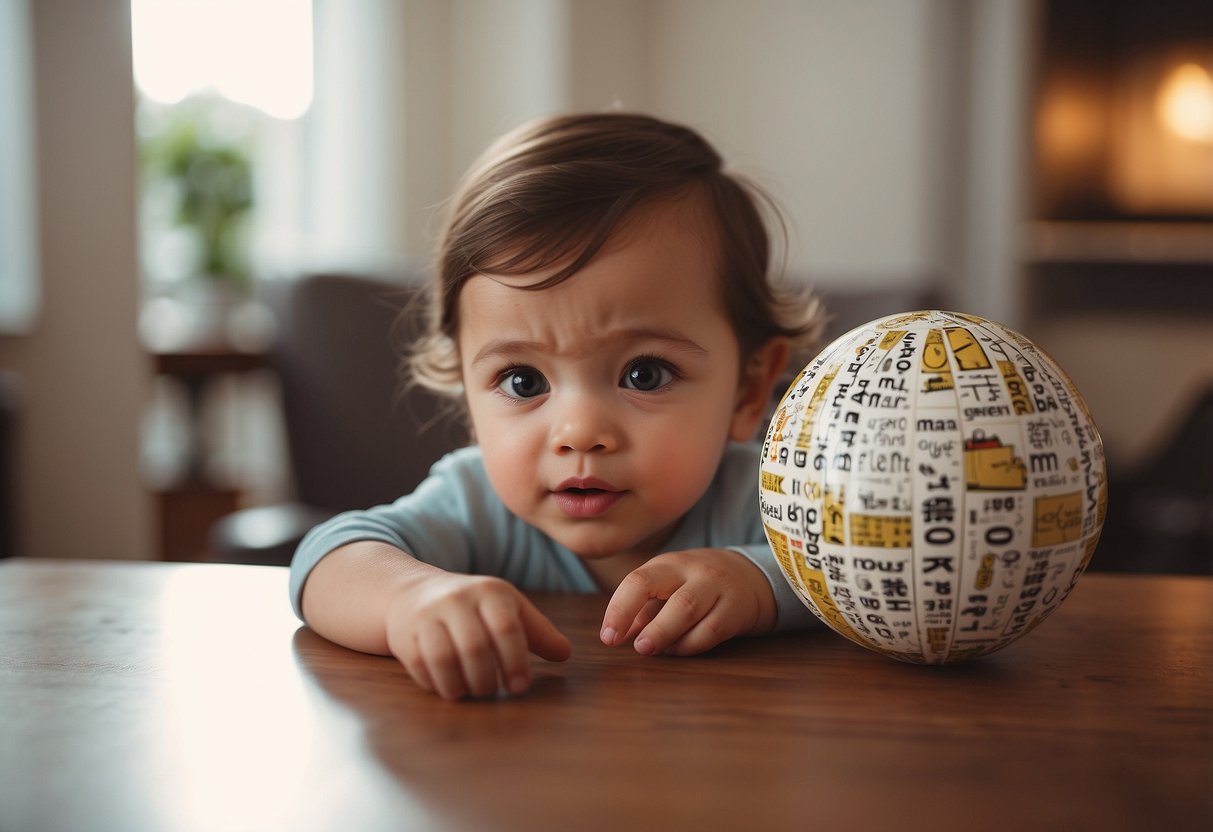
458,635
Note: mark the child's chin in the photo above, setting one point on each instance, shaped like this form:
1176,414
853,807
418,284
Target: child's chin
590,544
593,551
599,545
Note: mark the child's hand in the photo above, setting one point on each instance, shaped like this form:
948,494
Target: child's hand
686,602
457,635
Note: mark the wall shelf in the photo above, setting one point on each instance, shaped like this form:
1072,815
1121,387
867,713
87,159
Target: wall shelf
1179,243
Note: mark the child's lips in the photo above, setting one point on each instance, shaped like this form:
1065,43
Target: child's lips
585,497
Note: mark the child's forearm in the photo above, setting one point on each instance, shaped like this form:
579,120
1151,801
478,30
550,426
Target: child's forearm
348,593
455,634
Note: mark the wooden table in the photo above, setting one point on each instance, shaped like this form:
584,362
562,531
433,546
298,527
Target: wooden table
185,697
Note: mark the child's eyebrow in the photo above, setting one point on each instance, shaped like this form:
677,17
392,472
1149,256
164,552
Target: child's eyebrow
675,341
503,347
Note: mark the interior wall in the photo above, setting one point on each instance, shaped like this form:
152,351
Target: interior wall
84,378
993,168
354,132
426,153
507,65
834,107
830,106
846,112
608,54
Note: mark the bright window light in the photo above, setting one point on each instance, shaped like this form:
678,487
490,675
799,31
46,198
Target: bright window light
256,52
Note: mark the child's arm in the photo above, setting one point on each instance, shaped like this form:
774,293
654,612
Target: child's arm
687,602
455,634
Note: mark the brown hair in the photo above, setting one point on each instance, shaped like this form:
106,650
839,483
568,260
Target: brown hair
554,190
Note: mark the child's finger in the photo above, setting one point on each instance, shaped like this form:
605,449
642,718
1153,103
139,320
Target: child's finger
542,637
705,634
476,653
647,613
503,621
651,582
442,662
414,663
687,607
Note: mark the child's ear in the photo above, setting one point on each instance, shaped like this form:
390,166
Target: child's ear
754,392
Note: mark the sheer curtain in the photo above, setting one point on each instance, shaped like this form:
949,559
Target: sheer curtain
19,289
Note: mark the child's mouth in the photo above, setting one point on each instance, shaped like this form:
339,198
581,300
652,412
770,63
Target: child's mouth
584,501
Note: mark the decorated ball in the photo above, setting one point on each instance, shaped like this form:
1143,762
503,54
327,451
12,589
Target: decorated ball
933,486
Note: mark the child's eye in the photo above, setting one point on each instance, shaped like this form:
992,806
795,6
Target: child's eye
522,383
647,374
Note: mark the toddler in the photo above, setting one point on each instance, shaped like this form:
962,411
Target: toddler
603,308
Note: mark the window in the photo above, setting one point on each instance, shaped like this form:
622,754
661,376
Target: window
221,83
18,205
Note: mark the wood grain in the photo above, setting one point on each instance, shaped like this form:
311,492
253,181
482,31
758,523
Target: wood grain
186,696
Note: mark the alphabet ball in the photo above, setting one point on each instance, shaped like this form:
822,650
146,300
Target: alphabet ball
933,486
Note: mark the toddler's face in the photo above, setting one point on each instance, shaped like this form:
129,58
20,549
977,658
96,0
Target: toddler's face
603,404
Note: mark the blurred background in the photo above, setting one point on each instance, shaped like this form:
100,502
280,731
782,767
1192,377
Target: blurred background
167,166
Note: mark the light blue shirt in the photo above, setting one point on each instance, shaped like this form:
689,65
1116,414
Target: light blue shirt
456,522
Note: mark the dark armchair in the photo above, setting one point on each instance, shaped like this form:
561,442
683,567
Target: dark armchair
355,436
1160,512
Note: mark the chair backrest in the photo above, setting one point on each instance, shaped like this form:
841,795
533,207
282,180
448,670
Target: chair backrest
355,436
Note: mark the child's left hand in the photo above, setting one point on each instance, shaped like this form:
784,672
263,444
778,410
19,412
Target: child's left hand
682,603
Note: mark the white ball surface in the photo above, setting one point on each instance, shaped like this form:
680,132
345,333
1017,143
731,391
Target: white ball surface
933,486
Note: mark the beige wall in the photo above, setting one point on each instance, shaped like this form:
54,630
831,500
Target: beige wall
846,111
829,105
78,487
833,106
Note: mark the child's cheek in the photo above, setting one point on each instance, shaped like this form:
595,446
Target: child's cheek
509,472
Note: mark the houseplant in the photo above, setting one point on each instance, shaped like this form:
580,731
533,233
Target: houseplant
210,178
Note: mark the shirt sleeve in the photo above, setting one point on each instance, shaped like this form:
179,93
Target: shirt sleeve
440,523
790,612
737,482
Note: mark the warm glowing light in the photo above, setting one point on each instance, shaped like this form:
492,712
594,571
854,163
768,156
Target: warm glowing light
1185,103
1160,154
256,52
1070,125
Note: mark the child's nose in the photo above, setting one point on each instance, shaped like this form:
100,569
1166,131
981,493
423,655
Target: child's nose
584,425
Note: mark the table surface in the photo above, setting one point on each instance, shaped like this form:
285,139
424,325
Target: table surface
139,696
